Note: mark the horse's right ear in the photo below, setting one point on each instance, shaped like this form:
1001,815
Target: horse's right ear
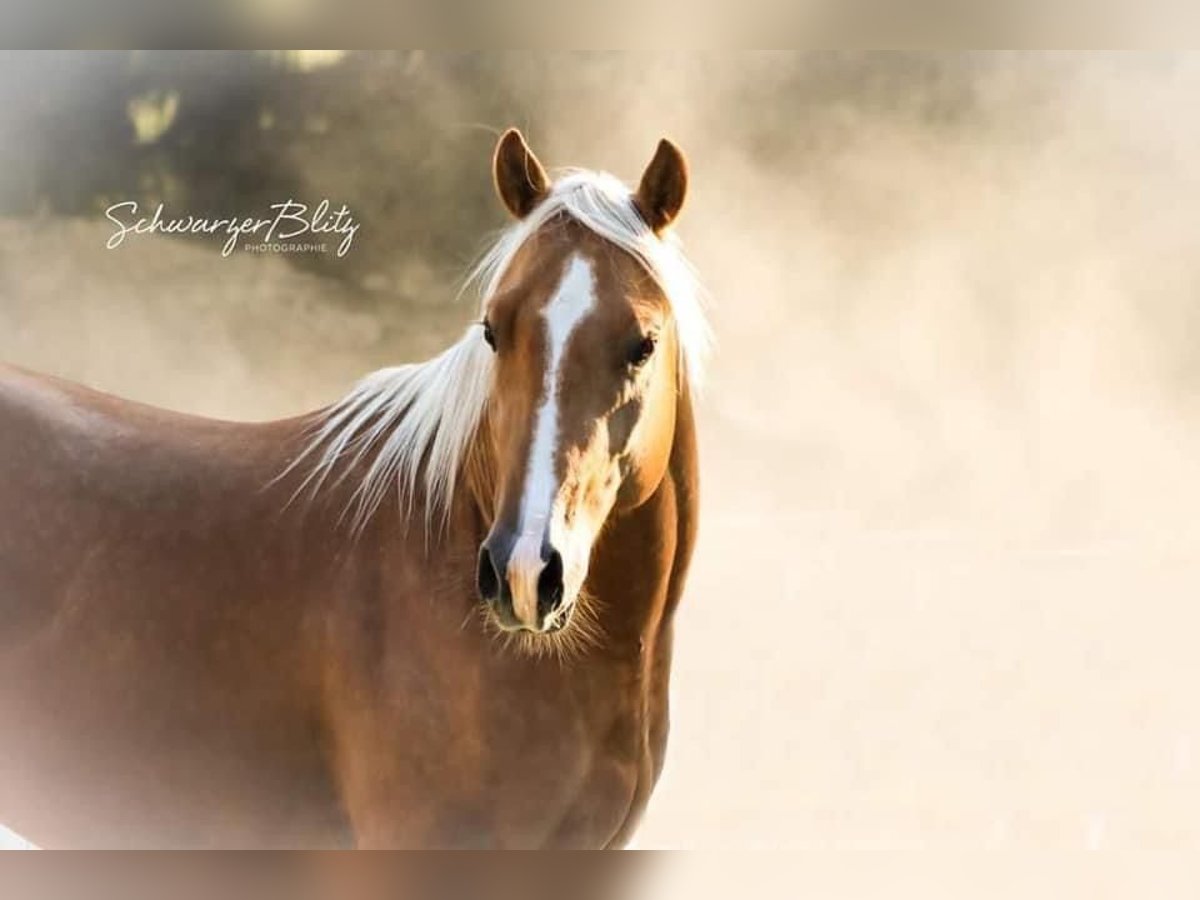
521,181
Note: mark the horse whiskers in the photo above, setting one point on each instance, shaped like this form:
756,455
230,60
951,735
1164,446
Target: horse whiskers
583,632
475,610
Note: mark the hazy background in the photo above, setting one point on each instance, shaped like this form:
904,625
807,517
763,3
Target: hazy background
945,592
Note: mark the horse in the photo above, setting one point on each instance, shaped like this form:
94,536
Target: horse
434,614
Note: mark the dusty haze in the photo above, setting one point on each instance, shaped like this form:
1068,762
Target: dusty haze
944,593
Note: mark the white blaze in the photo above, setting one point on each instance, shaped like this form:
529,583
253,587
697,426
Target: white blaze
574,299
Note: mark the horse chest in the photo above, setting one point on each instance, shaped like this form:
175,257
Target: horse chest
568,784
613,790
523,761
584,785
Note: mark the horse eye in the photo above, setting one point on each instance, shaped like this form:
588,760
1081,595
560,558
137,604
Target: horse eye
642,351
488,335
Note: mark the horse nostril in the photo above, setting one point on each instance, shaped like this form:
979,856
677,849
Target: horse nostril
486,579
550,585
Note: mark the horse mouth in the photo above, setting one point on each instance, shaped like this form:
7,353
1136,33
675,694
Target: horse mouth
557,622
568,633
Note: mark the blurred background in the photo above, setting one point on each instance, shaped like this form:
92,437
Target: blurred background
945,589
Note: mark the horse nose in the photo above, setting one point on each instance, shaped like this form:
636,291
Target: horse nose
492,581
487,578
522,580
550,586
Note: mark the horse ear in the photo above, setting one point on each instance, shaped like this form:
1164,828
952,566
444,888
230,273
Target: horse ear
521,181
660,195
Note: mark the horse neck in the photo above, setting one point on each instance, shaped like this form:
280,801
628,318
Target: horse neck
655,541
641,557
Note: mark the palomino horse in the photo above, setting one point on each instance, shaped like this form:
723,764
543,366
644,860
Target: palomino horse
435,614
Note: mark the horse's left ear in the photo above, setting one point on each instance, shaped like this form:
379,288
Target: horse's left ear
660,195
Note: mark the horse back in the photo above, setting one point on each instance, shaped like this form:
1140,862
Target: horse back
94,485
151,603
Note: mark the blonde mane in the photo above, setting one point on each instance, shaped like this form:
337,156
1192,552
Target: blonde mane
416,423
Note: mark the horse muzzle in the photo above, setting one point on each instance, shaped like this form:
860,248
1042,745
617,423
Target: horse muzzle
521,580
